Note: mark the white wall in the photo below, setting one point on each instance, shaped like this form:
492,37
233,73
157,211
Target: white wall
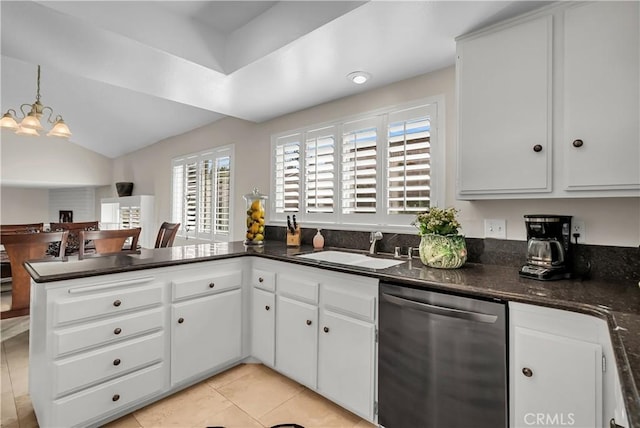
50,162
21,206
81,201
608,221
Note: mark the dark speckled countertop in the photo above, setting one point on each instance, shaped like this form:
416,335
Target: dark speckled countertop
617,303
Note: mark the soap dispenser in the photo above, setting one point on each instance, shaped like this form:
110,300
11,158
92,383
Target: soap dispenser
318,240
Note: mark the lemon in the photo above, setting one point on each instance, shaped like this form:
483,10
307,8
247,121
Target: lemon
261,221
256,215
256,206
254,228
249,236
261,229
259,237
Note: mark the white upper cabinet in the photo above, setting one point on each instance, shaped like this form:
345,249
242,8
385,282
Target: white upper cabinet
548,104
601,87
504,84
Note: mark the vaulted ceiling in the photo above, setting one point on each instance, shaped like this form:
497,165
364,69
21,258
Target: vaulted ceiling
126,74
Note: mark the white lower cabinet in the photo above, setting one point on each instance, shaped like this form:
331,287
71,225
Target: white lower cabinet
297,340
263,327
206,334
562,369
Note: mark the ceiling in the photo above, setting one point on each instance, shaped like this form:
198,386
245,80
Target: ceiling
126,74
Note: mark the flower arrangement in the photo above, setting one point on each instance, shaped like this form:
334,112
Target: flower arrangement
437,221
441,245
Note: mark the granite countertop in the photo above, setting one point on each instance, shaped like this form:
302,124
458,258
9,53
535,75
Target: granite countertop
617,303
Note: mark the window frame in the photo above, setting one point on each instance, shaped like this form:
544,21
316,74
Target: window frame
213,155
360,221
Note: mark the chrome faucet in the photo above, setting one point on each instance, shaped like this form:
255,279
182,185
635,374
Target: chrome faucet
373,238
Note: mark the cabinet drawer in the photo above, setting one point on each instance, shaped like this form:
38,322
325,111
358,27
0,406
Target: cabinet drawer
108,398
209,284
112,302
351,304
75,373
103,332
299,288
263,279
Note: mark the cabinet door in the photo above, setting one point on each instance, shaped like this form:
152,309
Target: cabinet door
263,338
557,379
601,84
504,97
297,343
346,362
206,333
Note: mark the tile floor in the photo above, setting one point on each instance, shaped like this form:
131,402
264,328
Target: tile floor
246,396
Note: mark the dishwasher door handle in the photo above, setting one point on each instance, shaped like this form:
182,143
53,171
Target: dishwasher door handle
440,310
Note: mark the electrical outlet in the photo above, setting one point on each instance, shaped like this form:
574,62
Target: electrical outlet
495,228
577,226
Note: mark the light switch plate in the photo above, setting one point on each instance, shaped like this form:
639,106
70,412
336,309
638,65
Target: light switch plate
495,228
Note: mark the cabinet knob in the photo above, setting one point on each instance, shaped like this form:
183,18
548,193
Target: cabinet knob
308,322
211,285
537,148
180,320
261,279
326,329
527,372
115,397
117,303
267,307
116,362
577,143
118,330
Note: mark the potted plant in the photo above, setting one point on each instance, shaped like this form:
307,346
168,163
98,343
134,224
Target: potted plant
441,246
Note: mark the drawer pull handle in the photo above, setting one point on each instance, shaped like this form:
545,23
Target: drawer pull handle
261,279
117,303
118,330
537,148
115,397
527,372
116,362
308,322
211,285
577,143
326,329
267,307
180,320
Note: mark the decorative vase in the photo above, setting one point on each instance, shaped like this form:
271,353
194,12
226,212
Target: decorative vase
124,189
443,251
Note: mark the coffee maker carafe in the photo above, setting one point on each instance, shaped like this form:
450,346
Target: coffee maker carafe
549,249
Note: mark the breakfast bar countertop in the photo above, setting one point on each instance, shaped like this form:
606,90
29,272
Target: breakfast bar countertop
617,303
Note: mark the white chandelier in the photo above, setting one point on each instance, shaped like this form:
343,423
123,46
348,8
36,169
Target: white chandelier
30,124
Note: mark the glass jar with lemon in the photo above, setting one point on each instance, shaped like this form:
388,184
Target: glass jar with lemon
256,204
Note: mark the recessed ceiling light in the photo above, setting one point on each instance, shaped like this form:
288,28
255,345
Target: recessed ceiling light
359,77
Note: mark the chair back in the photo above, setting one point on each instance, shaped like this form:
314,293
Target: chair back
167,234
21,247
109,241
73,243
22,228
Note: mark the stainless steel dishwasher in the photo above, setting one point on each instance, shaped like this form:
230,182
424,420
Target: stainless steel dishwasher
442,360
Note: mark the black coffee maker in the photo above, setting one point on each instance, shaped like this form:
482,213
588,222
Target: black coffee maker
549,252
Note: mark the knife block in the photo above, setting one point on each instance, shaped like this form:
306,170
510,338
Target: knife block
293,239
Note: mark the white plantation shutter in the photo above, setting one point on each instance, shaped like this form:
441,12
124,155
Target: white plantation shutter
359,167
320,166
409,161
201,194
287,174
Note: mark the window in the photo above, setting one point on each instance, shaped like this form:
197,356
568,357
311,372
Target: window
375,169
201,194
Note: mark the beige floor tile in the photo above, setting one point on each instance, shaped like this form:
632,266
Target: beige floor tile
5,380
364,424
26,415
311,411
8,412
128,421
233,374
19,380
233,417
260,392
194,407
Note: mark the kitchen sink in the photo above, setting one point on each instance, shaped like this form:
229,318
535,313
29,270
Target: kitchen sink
352,259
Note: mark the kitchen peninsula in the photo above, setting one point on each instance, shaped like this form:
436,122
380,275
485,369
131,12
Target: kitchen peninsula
141,305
